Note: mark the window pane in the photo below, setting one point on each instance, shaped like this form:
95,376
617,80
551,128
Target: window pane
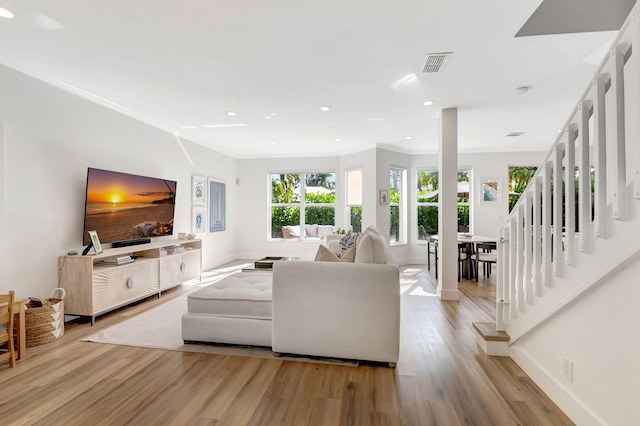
519,178
356,219
354,187
320,188
285,188
395,185
283,216
463,186
463,218
427,221
319,216
395,224
427,187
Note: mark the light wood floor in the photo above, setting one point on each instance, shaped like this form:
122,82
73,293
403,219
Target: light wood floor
442,378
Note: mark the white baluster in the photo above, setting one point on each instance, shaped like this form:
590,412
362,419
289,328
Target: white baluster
520,296
501,299
528,287
617,83
547,256
570,194
584,172
537,236
513,308
601,83
558,258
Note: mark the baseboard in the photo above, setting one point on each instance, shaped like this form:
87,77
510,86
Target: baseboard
448,294
579,413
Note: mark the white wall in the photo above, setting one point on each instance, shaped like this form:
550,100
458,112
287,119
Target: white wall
50,138
599,334
253,205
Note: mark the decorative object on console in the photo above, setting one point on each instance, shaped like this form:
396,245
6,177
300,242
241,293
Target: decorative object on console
197,220
217,206
198,189
95,243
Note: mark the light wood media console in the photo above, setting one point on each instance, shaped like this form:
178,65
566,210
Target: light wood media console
93,288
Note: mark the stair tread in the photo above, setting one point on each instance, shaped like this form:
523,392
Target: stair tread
489,333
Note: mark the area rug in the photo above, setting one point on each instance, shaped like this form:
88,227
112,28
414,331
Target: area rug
161,328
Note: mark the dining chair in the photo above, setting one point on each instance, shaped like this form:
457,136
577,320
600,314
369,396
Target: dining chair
432,248
464,257
6,332
485,253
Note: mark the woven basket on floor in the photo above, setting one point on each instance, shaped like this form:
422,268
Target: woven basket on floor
44,319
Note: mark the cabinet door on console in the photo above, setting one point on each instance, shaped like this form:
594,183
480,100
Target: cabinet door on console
170,270
118,285
192,264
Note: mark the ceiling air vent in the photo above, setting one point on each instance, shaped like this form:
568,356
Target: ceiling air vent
516,134
436,62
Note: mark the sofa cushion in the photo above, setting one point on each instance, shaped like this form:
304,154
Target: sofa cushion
242,295
370,249
324,230
326,255
311,231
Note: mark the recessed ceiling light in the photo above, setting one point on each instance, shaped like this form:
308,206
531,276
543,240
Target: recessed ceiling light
514,134
409,138
4,13
376,119
427,103
272,142
338,140
268,117
522,90
325,108
232,113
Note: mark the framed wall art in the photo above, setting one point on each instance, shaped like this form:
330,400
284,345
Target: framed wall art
198,184
197,219
490,190
384,197
217,206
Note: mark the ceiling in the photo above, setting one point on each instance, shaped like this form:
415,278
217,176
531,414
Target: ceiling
181,66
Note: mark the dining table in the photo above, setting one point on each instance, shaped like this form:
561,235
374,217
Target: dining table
470,241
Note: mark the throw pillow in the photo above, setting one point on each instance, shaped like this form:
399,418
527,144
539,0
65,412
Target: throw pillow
370,249
311,231
347,242
326,255
349,255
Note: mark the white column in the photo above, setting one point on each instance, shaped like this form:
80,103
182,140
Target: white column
3,214
448,205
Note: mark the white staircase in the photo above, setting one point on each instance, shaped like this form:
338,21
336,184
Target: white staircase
568,291
540,273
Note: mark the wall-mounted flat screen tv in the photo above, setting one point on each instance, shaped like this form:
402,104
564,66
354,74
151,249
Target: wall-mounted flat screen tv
122,206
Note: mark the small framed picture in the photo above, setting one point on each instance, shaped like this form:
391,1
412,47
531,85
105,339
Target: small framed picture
217,206
95,241
197,220
490,190
384,197
199,184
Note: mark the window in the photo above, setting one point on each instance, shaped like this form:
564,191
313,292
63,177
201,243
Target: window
427,202
354,199
397,191
302,204
519,178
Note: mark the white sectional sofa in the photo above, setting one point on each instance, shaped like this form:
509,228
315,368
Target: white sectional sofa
330,309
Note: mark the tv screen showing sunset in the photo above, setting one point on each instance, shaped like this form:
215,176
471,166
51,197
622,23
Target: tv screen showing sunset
121,206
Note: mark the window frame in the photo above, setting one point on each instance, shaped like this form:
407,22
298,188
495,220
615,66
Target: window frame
302,203
419,204
401,238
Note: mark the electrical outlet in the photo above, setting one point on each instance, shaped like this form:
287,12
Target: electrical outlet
567,369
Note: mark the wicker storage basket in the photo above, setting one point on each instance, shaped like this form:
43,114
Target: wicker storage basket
44,319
